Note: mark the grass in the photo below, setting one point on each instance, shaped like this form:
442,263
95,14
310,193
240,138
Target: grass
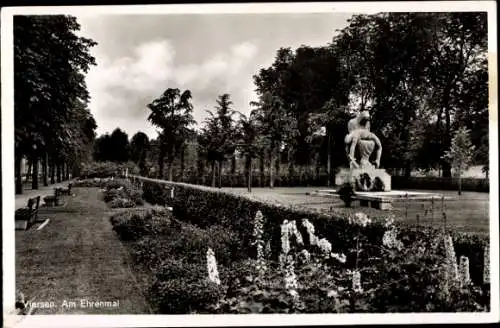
468,212
77,256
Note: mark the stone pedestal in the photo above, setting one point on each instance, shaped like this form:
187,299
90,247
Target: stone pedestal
364,177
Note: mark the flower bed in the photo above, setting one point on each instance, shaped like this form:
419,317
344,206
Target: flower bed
120,193
203,270
206,206
269,258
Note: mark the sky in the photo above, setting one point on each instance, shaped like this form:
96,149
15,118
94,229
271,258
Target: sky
140,56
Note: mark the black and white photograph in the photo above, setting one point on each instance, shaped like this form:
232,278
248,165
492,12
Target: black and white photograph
263,164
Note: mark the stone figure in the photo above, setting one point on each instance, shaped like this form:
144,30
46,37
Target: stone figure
363,141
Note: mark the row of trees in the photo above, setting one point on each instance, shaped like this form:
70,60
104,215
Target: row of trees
422,76
53,124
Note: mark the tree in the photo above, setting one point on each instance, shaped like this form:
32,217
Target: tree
139,147
460,154
114,147
276,125
218,136
172,113
50,94
248,142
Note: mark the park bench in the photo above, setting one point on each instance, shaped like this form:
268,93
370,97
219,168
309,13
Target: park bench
63,191
26,216
51,200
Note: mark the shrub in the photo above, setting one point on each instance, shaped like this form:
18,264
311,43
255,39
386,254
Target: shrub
121,193
438,183
121,203
346,192
186,294
107,169
205,207
135,224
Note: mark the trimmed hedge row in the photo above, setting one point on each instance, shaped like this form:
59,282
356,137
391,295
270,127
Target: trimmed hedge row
239,180
204,207
436,183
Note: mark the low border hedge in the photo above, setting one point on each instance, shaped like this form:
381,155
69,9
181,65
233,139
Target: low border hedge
205,206
438,183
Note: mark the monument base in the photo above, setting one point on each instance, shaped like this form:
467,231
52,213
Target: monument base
365,179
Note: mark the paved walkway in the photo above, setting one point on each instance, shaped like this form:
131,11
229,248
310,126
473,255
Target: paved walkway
77,257
42,191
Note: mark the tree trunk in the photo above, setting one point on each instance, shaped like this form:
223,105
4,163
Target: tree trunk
447,141
63,171
29,171
213,174
52,172
262,177
58,172
18,173
277,174
45,166
318,167
249,174
220,174
233,169
169,168
34,176
68,168
329,160
459,184
271,169
161,159
183,155
407,170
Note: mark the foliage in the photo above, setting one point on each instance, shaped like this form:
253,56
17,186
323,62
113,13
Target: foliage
107,169
205,207
122,194
114,147
139,147
172,114
437,183
346,192
52,118
408,278
461,151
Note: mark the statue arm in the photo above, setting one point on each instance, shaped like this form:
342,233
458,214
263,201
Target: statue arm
352,149
378,154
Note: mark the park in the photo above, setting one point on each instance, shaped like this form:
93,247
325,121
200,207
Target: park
357,182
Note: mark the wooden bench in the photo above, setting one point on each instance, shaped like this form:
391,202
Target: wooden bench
62,191
25,217
51,200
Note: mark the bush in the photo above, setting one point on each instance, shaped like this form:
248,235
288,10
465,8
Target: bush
393,280
134,224
92,183
438,183
107,169
205,207
122,193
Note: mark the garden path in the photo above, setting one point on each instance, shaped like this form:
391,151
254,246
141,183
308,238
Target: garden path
77,256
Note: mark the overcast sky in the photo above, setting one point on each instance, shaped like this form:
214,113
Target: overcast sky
138,57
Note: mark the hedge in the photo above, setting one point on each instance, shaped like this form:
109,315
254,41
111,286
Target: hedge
438,183
205,206
308,179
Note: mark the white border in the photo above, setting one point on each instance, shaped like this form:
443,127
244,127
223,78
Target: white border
237,320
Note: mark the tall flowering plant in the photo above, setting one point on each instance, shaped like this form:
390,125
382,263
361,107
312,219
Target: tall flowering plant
213,273
258,233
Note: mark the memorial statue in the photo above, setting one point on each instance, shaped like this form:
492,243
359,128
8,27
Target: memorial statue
363,141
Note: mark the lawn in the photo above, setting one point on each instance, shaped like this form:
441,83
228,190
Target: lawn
77,256
468,212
